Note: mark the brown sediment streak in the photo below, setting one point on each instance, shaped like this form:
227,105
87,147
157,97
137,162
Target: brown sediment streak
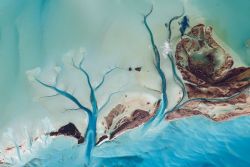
9,148
67,130
232,114
119,109
235,107
137,118
13,147
184,113
215,91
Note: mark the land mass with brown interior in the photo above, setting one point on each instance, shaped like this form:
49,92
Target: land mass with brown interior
208,72
69,130
124,123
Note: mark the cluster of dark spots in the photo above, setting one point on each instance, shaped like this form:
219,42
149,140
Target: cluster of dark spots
136,69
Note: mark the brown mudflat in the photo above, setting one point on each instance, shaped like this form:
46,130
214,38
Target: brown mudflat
207,70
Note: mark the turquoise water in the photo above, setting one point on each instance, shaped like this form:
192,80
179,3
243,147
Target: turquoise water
40,32
192,142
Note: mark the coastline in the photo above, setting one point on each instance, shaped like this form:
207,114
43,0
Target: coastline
231,113
9,154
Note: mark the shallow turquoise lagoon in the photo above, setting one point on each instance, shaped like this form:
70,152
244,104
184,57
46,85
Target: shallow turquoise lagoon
40,32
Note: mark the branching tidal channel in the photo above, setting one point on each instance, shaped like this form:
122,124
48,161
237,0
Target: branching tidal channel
93,112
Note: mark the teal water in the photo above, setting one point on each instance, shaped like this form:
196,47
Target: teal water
40,32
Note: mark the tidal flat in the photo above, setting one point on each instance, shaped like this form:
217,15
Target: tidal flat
44,45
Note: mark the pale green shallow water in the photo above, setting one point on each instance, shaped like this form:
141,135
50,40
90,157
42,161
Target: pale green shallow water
230,21
39,32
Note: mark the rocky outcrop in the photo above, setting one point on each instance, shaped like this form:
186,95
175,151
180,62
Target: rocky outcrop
69,130
136,69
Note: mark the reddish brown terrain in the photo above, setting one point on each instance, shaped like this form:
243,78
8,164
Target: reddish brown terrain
69,130
137,118
217,111
208,72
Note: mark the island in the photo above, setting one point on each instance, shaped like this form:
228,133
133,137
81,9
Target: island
215,88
